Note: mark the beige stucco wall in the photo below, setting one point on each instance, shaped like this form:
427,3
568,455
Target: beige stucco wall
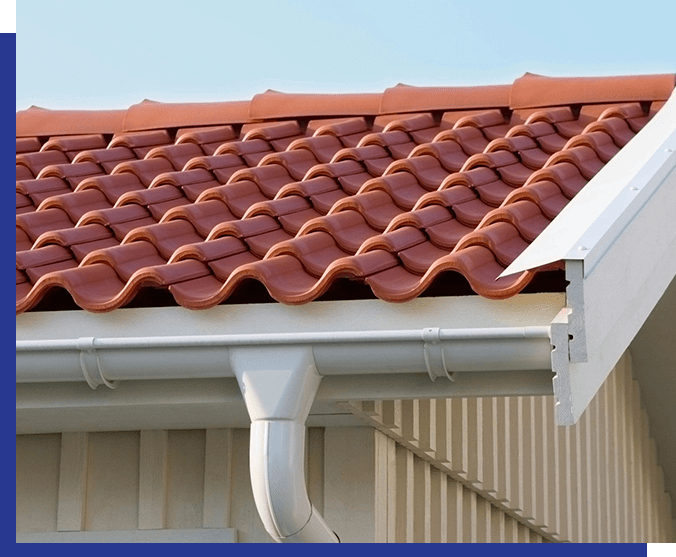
489,469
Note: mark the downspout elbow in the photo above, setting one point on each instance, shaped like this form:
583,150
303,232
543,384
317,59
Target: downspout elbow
278,482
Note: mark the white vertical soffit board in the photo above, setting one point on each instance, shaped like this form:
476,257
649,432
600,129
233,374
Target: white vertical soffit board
618,239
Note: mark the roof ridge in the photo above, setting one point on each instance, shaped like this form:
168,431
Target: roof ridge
528,91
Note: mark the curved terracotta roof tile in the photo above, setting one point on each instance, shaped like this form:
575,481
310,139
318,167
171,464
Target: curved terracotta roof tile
426,168
107,158
27,145
402,190
323,147
403,187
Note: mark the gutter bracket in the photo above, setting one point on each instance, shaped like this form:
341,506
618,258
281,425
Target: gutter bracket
91,365
433,350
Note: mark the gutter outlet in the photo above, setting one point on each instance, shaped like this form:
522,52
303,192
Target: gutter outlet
278,385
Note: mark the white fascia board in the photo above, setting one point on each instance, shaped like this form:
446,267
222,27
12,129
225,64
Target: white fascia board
461,312
618,240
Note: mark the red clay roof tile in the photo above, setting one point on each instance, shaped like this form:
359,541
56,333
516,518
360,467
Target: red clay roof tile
400,190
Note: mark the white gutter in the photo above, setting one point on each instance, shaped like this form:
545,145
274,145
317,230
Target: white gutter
439,352
618,240
278,375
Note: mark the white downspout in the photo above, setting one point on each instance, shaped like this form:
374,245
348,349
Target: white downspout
279,385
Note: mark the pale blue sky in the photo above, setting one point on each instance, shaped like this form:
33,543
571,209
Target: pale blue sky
91,54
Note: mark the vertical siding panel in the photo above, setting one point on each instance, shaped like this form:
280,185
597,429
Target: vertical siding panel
405,506
441,431
638,429
469,533
113,481
528,476
651,457
217,478
409,470
471,428
387,414
489,446
593,417
504,457
456,503
586,477
422,409
427,487
603,465
523,534
619,435
511,530
37,482
435,521
575,472
483,520
622,439
647,476
515,453
315,466
409,421
540,418
443,508
419,500
152,480
350,488
665,511
391,491
381,492
455,421
613,480
431,426
72,482
566,487
476,431
497,526
630,435
552,465
185,473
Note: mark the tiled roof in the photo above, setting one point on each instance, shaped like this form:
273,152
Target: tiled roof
403,193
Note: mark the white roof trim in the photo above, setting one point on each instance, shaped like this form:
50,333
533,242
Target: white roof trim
618,240
598,214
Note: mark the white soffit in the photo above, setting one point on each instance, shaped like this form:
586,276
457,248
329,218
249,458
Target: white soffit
618,239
